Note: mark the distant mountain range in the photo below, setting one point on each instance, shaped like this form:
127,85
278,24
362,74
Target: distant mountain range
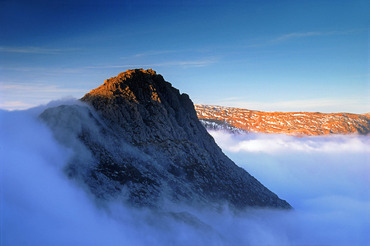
292,123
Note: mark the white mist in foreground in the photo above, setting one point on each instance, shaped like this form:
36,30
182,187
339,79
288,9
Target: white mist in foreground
327,183
325,178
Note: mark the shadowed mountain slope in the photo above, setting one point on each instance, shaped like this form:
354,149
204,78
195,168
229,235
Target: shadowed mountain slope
140,141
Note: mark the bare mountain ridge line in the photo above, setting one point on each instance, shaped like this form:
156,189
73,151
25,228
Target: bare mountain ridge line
292,123
140,141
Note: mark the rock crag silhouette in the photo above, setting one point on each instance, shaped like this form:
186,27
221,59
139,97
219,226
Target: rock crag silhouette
140,141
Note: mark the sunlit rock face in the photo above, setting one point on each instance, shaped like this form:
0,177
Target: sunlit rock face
139,140
292,123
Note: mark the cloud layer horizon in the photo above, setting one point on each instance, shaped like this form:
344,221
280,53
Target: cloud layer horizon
325,179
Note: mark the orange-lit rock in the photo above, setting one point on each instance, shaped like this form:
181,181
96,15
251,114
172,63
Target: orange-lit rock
292,123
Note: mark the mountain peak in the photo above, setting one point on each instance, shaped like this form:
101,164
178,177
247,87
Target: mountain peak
141,101
143,142
134,85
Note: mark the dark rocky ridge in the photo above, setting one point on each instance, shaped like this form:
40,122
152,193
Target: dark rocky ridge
142,142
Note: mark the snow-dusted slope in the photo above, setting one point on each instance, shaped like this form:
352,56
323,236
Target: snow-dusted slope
298,123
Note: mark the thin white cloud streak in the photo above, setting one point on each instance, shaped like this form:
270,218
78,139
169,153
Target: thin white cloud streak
183,64
299,35
327,105
40,88
156,52
15,105
188,64
15,96
161,52
296,35
45,70
33,50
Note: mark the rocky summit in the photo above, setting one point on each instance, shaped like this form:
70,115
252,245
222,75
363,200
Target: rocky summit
137,139
291,123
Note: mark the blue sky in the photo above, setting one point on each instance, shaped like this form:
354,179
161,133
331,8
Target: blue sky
264,55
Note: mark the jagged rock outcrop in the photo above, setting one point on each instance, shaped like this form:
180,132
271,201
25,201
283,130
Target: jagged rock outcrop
141,141
296,123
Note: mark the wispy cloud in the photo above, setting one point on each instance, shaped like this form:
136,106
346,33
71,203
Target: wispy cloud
33,50
15,105
295,35
298,35
44,70
178,63
192,63
21,96
39,88
156,52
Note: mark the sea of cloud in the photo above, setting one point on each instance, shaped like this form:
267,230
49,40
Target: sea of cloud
325,179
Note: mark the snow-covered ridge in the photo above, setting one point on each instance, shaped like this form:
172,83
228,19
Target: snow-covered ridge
292,123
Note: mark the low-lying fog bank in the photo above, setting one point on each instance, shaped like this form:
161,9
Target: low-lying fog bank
325,179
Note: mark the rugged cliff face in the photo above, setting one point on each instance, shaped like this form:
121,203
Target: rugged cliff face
298,123
141,141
